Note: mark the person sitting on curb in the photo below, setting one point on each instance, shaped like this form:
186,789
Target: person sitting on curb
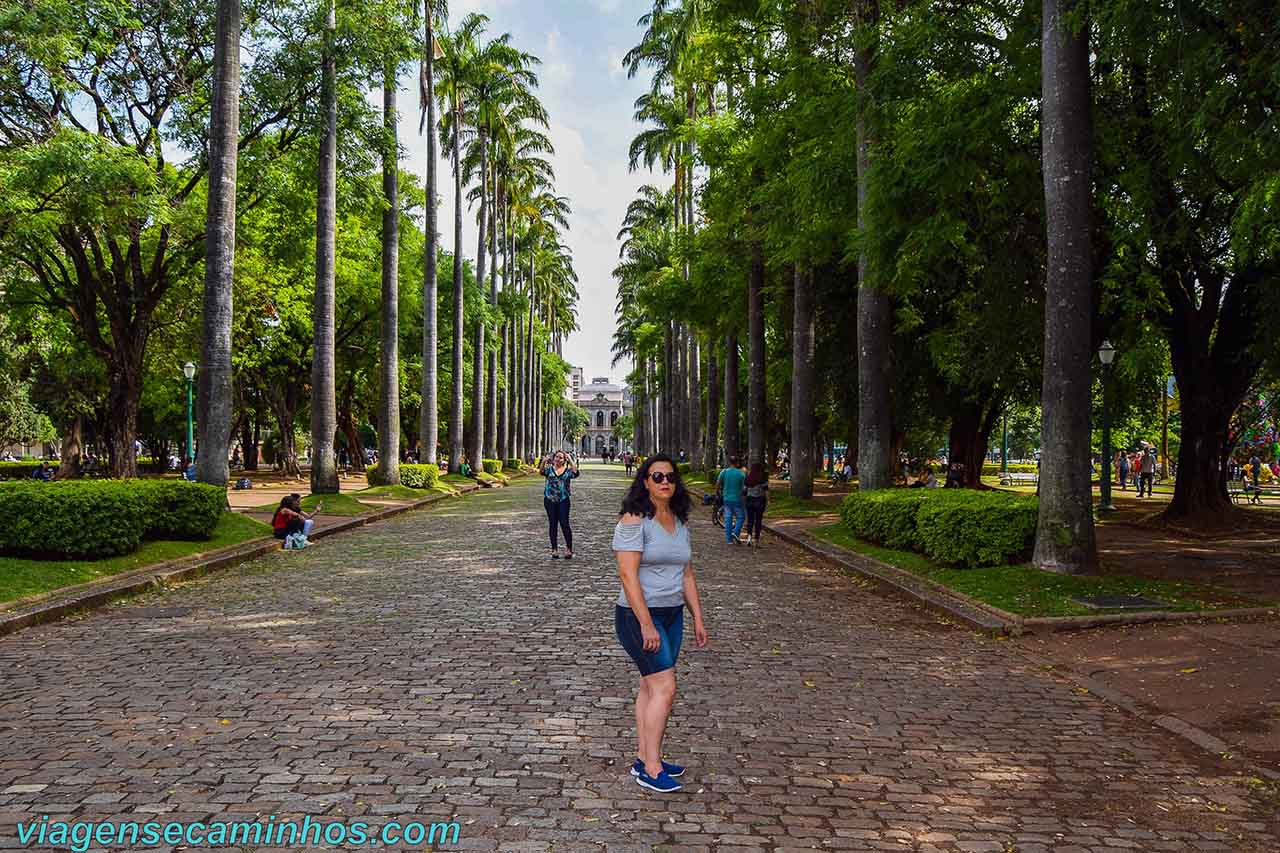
290,521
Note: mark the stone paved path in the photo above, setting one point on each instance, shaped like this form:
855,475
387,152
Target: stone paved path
439,665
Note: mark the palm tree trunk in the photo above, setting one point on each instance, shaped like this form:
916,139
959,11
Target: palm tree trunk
429,417
491,428
389,374
1065,540
476,451
875,312
324,416
695,401
755,368
712,435
456,401
732,418
668,388
803,376
214,388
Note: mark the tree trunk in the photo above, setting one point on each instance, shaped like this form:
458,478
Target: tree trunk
1064,533
712,444
429,417
284,403
1208,401
969,435
347,421
214,385
456,402
324,472
732,417
875,311
756,416
491,427
476,448
695,401
72,439
389,372
249,441
803,377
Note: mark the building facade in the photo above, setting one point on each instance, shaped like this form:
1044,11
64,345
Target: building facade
604,403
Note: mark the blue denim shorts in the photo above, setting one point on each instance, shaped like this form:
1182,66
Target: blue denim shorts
670,624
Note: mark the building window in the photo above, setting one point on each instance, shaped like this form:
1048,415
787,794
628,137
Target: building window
599,420
613,419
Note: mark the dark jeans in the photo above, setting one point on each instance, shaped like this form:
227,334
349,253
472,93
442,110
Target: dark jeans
558,514
1145,483
755,516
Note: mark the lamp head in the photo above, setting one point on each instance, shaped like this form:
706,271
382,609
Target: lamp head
189,370
1106,353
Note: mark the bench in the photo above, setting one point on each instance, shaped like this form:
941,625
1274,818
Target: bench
1240,490
1019,479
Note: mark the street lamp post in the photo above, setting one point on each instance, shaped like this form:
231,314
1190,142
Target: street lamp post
189,371
1106,353
1004,442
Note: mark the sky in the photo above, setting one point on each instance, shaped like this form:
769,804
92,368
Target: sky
585,90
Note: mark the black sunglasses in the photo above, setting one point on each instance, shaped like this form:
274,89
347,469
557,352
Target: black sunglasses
664,477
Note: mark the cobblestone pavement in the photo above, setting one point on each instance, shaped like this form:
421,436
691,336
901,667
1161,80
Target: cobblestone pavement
439,666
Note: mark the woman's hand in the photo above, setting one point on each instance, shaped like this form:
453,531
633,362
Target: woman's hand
652,639
700,634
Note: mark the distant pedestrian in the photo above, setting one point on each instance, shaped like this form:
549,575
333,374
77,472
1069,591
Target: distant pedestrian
1122,470
555,499
629,460
757,499
655,565
1255,468
1148,471
729,486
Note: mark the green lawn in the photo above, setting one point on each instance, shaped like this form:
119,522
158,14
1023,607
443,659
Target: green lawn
1028,591
22,577
395,493
457,479
785,506
333,505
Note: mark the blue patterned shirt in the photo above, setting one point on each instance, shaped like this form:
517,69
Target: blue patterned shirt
557,488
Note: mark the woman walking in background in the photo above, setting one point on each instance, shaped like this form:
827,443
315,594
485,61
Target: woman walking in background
655,565
555,499
757,496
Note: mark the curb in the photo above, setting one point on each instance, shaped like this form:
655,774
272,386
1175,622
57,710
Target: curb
995,622
61,604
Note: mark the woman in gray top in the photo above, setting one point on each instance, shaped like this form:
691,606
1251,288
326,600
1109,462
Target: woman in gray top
655,564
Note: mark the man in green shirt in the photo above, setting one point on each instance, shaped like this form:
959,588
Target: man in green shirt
729,487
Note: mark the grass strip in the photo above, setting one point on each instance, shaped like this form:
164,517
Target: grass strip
1028,591
20,577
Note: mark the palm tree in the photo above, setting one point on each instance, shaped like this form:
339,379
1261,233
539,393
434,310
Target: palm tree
459,52
389,364
220,245
429,418
501,91
1065,540
324,416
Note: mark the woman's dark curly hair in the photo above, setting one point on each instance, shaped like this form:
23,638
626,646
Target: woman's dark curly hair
637,502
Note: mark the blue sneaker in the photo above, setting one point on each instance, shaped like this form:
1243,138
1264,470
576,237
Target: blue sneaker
663,784
672,770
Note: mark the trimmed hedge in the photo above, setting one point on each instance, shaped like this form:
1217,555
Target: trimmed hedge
19,470
989,470
103,518
181,510
958,527
512,464
684,468
492,466
411,475
886,517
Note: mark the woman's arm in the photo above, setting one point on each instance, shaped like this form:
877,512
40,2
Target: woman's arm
695,605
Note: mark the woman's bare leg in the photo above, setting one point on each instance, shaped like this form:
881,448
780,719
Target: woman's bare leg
659,690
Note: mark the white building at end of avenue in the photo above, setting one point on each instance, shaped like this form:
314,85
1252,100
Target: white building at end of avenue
604,403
